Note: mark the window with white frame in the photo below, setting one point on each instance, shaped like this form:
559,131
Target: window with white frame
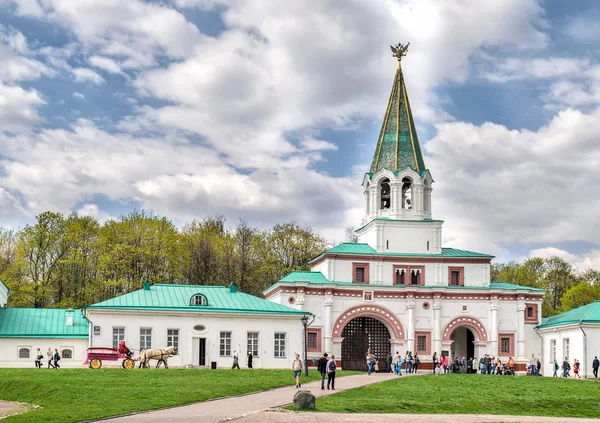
118,336
566,347
225,344
145,338
552,350
279,345
198,300
66,353
253,343
24,352
173,338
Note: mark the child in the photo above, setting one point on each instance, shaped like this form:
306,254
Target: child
399,365
438,370
576,369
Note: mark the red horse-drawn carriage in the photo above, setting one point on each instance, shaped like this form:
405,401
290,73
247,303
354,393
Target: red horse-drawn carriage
96,355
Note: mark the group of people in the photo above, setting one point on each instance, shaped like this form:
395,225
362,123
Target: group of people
53,358
487,364
236,359
326,366
566,368
395,363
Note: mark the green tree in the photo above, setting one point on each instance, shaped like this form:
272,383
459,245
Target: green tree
558,279
579,295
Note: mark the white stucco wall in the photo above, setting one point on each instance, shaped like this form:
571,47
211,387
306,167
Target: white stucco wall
577,343
403,236
9,351
3,295
189,339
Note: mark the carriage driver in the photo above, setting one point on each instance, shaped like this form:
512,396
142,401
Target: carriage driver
124,350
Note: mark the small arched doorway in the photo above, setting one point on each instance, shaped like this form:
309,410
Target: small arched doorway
359,335
464,343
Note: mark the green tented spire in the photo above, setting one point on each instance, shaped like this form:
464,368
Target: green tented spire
398,145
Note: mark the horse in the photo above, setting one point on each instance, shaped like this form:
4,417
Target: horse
156,354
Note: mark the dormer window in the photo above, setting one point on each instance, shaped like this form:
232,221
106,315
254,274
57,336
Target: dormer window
198,300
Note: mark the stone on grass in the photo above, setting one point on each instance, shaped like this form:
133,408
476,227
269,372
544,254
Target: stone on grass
304,399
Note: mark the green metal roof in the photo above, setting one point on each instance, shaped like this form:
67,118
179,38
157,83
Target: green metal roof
589,313
171,297
366,249
398,144
317,278
41,323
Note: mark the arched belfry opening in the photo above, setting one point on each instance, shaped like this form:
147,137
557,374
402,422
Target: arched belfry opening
406,193
386,195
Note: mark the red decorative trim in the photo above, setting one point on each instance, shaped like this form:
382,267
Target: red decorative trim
375,311
469,322
401,267
365,266
427,351
511,344
291,300
426,305
319,343
421,278
418,260
408,275
534,319
461,275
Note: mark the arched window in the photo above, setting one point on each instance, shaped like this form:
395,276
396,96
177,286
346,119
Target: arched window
406,193
400,275
198,300
24,353
66,353
386,198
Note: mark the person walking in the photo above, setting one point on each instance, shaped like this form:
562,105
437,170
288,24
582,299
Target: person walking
595,366
56,358
416,365
399,365
322,369
236,360
250,357
576,369
331,366
436,360
565,366
538,368
389,361
38,359
50,356
371,360
555,367
297,368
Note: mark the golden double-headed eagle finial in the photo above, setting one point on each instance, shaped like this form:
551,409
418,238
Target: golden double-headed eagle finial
399,50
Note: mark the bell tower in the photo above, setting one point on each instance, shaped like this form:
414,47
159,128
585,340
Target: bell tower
398,186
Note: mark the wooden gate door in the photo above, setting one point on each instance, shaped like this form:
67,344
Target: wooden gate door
360,334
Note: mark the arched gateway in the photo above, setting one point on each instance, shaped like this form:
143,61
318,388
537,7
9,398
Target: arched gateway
364,327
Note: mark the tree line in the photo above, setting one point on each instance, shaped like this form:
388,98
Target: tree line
566,287
73,261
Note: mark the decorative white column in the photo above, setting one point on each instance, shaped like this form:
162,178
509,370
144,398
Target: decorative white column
410,332
494,329
521,332
437,327
327,326
373,200
417,200
396,207
427,202
300,299
367,202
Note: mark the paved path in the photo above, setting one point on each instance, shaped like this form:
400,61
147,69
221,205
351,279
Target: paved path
297,417
230,408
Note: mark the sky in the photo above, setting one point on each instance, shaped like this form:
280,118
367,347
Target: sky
269,111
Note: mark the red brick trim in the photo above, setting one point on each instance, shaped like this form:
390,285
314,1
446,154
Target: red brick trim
427,350
375,311
469,322
319,342
356,265
511,344
461,277
534,319
401,267
421,278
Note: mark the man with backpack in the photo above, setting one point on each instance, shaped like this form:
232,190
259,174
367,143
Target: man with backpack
322,369
331,366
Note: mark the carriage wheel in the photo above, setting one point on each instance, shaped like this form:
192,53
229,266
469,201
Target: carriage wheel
128,363
95,363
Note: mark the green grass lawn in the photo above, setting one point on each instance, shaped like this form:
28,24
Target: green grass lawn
72,395
471,394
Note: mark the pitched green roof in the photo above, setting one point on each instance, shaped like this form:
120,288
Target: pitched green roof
219,299
589,313
41,323
366,249
398,144
317,278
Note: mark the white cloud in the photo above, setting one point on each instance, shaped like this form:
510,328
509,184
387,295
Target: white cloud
94,211
106,64
78,95
587,260
87,75
15,64
522,68
497,187
312,144
18,108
